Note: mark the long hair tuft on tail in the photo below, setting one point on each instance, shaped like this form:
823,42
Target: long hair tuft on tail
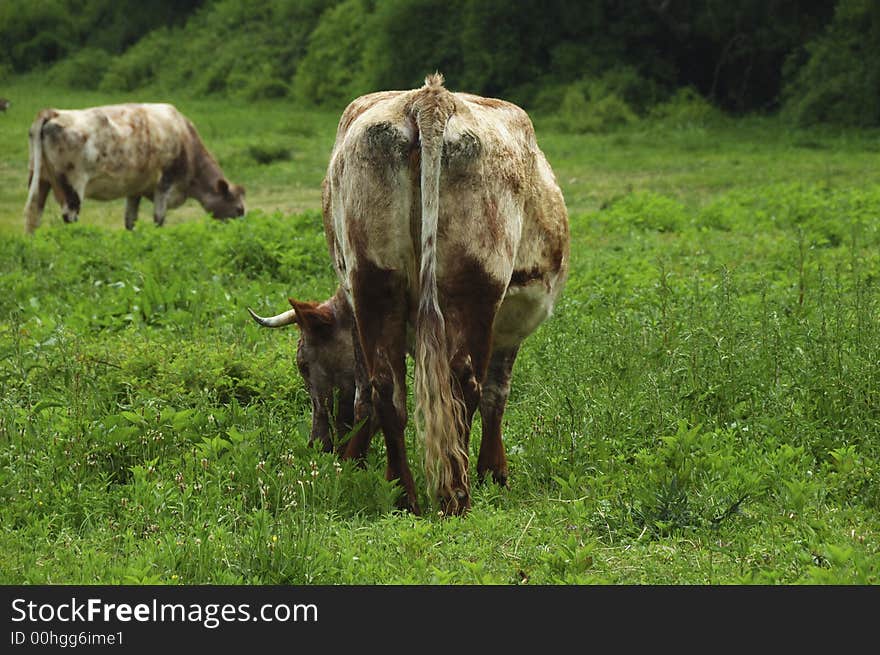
439,414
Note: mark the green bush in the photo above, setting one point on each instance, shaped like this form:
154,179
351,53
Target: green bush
840,80
266,153
648,211
33,33
83,70
623,82
327,51
140,65
264,89
241,50
591,106
330,72
686,108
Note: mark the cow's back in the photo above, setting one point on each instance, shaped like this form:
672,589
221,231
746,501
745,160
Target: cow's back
370,188
499,198
120,149
501,209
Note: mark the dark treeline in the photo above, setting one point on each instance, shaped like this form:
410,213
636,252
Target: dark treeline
816,62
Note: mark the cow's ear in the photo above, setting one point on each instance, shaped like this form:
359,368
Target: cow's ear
314,319
223,187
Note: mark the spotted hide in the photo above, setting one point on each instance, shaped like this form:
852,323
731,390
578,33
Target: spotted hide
130,151
449,235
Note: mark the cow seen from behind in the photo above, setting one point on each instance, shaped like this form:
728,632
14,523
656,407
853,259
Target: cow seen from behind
129,151
449,236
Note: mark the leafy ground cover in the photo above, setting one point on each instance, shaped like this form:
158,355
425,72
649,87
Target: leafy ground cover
701,408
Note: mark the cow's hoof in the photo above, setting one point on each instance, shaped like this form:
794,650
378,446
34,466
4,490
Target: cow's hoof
456,505
498,477
408,504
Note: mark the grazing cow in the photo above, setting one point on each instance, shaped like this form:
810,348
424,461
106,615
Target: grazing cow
124,151
449,236
4,104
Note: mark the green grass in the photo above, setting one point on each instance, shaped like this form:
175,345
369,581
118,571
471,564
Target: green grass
701,408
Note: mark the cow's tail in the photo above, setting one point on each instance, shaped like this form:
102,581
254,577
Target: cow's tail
35,163
439,414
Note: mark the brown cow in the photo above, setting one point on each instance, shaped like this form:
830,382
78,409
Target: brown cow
124,151
449,232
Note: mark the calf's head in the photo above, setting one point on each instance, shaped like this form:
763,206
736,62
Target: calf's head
224,200
326,362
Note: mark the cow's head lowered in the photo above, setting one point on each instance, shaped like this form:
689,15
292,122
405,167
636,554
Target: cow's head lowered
223,200
326,360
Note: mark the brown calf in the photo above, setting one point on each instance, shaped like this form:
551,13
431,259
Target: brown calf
448,232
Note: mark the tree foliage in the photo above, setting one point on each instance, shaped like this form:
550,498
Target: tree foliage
820,59
837,77
46,31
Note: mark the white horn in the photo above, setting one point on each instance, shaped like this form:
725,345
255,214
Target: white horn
281,320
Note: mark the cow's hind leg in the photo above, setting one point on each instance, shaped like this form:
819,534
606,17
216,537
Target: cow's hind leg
470,300
164,187
380,300
496,389
160,196
72,198
365,420
131,211
34,211
160,204
466,389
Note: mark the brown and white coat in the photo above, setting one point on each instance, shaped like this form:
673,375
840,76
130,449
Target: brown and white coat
123,151
449,235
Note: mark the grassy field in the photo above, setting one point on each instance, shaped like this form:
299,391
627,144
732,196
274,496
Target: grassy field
702,408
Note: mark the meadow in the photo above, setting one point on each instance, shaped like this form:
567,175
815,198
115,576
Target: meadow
702,408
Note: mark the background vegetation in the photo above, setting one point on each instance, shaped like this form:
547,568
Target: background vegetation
819,62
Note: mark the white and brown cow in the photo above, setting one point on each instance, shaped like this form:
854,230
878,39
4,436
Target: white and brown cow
449,234
124,151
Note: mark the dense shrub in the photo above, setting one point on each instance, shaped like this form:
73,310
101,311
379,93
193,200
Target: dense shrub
33,33
840,80
38,33
82,70
686,108
595,104
140,64
596,113
331,71
229,47
617,59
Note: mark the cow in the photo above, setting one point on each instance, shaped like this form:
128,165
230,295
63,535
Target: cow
449,236
129,151
4,104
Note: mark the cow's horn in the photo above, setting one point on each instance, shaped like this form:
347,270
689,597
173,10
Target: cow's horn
281,320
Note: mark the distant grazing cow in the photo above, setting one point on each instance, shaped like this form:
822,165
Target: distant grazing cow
4,104
124,151
447,229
